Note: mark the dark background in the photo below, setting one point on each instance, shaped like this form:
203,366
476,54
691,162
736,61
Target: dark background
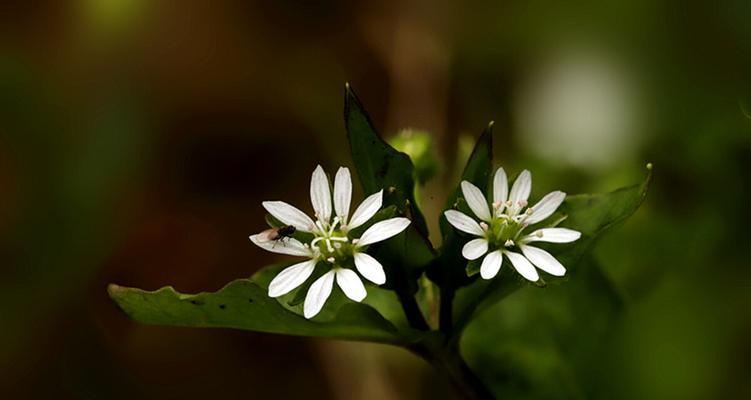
138,139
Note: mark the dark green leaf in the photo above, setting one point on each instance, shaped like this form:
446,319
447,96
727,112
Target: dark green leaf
546,343
379,165
244,304
450,267
473,267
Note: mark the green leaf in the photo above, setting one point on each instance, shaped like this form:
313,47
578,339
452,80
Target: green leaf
473,267
379,165
382,300
450,268
546,343
590,214
244,304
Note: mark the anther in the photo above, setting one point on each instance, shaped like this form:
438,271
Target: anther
484,226
331,259
509,243
539,234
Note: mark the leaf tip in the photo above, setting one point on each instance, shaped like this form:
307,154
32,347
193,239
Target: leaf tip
113,289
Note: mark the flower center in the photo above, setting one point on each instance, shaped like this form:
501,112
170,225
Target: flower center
503,231
331,243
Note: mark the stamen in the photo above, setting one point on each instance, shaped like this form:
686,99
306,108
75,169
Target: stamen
539,234
354,241
484,226
331,260
319,224
509,243
529,211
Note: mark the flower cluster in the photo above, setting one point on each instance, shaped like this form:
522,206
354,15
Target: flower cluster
502,224
332,244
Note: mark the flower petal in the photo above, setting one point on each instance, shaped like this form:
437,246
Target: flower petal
475,248
476,200
289,246
317,295
543,260
491,264
342,193
463,223
522,266
289,215
552,235
370,268
520,192
500,186
366,210
545,207
290,278
383,230
320,194
350,284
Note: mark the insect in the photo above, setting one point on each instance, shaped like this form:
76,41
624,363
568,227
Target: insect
277,234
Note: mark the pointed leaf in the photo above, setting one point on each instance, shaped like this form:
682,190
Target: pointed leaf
243,304
451,268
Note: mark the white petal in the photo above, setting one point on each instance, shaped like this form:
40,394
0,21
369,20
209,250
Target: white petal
289,246
500,186
476,200
342,193
351,284
370,268
289,215
290,278
552,235
366,210
491,264
543,260
463,223
320,194
383,230
475,248
520,191
545,207
522,266
317,295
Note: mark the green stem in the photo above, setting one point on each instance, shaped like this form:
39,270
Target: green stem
412,311
445,312
445,357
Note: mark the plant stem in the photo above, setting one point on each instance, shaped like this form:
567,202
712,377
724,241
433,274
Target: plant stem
412,310
446,319
445,357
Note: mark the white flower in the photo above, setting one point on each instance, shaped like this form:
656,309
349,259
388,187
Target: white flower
332,244
501,227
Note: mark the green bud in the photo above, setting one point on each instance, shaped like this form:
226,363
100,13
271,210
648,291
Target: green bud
418,145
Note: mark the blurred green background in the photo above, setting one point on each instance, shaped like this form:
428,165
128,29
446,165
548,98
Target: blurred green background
138,138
